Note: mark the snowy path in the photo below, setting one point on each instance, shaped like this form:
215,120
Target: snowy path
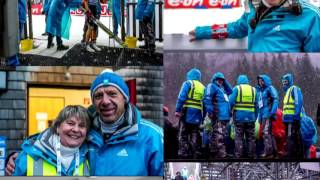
76,33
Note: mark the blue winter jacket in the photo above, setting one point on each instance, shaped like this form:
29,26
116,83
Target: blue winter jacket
193,115
145,8
308,131
22,10
134,150
59,19
298,99
279,31
241,115
115,8
216,99
46,6
38,146
268,99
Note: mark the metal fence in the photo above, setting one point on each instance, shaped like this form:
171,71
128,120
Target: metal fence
133,24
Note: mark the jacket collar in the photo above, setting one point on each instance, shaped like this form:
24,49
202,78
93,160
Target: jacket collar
42,146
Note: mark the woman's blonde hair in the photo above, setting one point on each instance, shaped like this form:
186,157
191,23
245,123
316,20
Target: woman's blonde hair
71,111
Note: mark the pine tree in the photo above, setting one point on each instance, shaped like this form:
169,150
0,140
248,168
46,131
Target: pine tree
306,79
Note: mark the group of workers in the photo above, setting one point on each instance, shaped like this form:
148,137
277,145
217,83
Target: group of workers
58,21
214,107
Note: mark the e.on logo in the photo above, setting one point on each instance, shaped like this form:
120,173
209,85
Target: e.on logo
201,4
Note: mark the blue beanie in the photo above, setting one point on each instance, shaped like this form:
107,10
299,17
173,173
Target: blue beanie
110,79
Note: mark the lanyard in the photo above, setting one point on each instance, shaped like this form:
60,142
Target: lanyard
77,164
59,157
226,98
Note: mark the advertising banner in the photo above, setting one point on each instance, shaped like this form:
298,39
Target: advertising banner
37,10
201,4
2,154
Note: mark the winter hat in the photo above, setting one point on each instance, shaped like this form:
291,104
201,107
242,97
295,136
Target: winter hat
109,78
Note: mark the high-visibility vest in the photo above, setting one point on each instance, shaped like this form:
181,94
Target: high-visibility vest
288,102
195,95
41,167
246,98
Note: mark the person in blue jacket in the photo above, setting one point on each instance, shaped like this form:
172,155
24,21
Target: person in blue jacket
145,14
189,110
85,26
217,106
292,113
115,9
268,104
60,150
59,21
91,7
271,26
123,143
309,134
46,6
22,13
244,102
22,10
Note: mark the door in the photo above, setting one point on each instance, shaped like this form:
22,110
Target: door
44,105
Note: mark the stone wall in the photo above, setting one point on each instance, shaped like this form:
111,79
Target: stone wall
149,81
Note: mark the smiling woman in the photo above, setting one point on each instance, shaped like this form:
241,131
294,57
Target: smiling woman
71,125
59,150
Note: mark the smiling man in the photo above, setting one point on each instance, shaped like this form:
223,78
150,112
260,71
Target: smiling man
124,143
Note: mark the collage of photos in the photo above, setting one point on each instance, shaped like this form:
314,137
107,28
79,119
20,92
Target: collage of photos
160,89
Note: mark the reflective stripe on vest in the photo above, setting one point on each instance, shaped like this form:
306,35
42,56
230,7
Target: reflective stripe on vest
288,102
195,95
246,98
43,168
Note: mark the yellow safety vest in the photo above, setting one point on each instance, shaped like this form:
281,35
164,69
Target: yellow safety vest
288,102
246,98
41,167
195,95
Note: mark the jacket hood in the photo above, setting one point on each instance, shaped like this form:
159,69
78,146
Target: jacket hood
40,144
266,79
242,79
216,76
289,78
194,74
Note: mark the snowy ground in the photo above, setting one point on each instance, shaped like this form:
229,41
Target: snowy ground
76,33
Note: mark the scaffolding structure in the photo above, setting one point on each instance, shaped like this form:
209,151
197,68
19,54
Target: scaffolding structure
249,171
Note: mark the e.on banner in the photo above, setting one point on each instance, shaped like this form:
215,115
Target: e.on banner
185,4
37,10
